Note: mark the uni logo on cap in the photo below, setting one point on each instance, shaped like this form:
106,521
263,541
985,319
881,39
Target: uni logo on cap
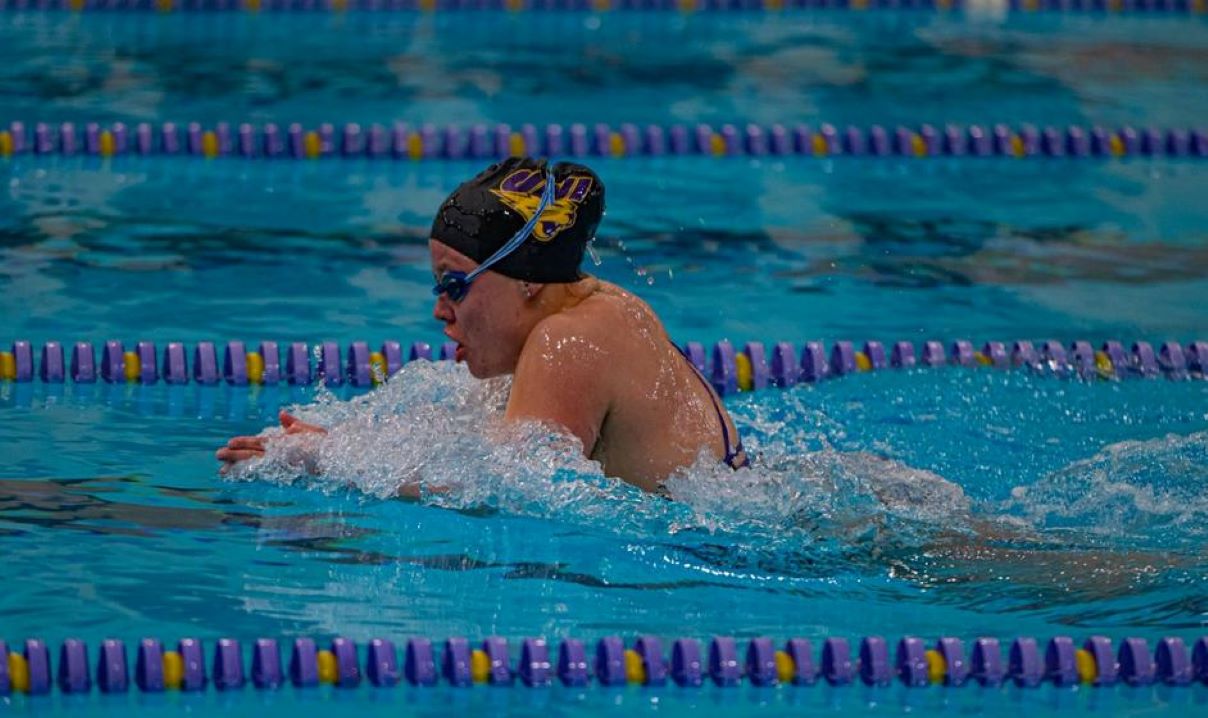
522,189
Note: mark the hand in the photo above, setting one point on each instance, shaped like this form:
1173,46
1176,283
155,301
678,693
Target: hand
242,448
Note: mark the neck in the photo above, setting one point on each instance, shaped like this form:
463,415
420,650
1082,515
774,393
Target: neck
554,298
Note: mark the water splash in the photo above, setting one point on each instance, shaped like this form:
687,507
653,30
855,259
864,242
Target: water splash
1139,493
435,428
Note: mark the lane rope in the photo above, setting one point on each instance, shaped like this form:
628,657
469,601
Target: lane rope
456,663
432,142
751,366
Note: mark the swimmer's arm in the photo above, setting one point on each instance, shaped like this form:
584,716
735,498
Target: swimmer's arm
561,379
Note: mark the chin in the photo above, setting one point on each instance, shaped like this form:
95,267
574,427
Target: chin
478,370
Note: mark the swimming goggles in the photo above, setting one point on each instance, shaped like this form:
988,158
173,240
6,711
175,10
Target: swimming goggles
455,284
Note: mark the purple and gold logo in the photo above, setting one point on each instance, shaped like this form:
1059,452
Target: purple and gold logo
522,190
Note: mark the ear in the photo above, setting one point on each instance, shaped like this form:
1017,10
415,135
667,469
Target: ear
531,289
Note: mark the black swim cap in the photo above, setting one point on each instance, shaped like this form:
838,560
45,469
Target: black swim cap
484,213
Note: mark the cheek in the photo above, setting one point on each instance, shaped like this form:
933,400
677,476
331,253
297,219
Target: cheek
474,321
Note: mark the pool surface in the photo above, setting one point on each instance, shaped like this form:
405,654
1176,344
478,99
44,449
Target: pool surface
932,502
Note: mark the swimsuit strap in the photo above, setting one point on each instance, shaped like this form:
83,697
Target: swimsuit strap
732,453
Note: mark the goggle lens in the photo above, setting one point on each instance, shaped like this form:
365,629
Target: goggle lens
453,285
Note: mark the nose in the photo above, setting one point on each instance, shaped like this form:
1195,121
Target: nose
442,311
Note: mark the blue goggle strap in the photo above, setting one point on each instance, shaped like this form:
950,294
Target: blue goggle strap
547,198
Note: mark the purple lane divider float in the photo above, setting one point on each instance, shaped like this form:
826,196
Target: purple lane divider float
266,664
961,353
23,361
234,364
1172,663
875,668
842,359
1136,663
801,652
205,364
986,662
933,354
535,668
348,670
610,661
902,356
53,367
37,662
113,362
392,352
1024,664
650,650
297,364
83,370
760,372
227,671
952,650
357,368
499,672
911,662
1060,661
193,664
381,664
572,663
74,675
419,665
455,663
725,368
687,665
761,663
814,366
724,668
304,663
838,668
112,672
149,666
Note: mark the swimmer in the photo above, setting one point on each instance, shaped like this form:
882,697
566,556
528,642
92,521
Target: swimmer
586,357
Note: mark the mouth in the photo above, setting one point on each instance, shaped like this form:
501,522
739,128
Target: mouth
459,354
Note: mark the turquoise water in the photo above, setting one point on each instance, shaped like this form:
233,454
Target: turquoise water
942,502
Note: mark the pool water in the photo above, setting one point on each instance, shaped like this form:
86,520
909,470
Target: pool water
836,66
966,502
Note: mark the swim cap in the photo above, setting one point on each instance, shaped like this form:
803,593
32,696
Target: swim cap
484,213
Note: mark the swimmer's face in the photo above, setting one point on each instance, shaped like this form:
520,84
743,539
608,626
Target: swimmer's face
486,323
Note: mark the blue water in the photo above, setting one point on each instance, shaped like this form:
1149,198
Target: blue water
939,502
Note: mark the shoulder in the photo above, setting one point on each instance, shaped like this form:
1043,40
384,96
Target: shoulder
567,340
596,327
